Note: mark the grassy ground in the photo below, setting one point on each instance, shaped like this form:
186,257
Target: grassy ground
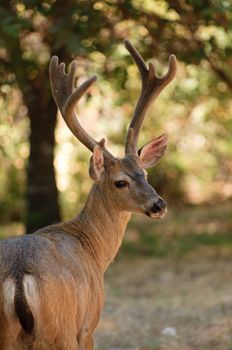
171,273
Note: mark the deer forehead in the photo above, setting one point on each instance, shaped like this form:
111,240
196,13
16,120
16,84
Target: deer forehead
128,168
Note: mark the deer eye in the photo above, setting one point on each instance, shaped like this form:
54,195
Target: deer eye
121,184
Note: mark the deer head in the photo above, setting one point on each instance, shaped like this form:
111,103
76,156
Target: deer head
123,180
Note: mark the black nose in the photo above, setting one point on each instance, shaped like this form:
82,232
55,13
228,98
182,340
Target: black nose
159,206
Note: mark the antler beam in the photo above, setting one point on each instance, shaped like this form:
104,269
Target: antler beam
151,88
66,98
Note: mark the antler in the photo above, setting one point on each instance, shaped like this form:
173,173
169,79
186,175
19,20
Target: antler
151,88
66,98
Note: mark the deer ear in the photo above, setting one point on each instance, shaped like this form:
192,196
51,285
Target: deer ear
96,166
151,153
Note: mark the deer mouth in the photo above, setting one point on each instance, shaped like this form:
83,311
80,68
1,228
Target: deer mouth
156,215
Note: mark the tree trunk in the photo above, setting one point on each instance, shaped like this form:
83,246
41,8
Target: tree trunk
42,206
42,194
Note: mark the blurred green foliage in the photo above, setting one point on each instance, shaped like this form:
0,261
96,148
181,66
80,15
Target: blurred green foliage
195,110
192,229
13,155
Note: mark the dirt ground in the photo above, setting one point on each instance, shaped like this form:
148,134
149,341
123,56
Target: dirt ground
193,295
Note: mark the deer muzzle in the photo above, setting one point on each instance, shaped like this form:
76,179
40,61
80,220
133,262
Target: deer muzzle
157,209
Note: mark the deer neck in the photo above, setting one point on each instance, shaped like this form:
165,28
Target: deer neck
101,226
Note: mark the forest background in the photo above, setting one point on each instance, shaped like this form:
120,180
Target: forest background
44,170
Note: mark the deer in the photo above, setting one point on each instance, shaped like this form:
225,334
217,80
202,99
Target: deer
52,281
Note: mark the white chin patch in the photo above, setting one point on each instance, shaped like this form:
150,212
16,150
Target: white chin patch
158,215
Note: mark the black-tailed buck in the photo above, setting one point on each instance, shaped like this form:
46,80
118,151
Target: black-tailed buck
52,291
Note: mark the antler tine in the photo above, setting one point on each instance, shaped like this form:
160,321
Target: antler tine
151,88
141,64
66,98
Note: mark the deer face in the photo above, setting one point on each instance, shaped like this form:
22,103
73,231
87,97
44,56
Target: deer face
125,180
133,192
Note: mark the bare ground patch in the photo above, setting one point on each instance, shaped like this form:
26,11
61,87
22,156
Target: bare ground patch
145,295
